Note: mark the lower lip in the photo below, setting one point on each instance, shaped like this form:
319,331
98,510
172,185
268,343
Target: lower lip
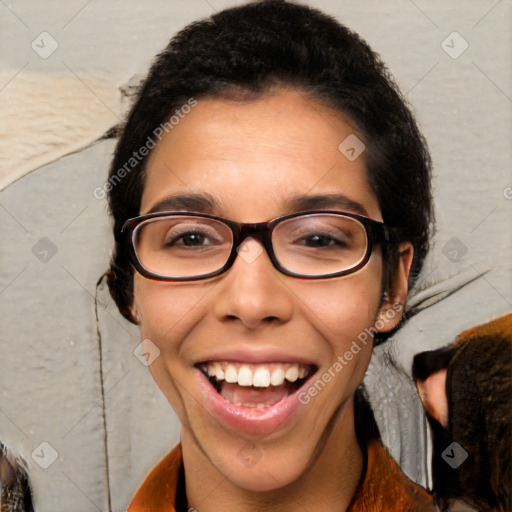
251,420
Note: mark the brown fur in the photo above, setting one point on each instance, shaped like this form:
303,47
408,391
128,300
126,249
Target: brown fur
479,395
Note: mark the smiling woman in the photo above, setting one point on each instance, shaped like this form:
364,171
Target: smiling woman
285,214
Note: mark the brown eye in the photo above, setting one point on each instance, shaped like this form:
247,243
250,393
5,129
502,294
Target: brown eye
189,239
322,240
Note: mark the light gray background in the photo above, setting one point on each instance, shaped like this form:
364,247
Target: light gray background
68,375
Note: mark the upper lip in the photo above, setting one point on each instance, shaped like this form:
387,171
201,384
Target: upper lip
255,355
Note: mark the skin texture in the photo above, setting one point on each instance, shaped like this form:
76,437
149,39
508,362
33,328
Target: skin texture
253,156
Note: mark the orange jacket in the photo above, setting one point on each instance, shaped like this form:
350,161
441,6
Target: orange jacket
384,488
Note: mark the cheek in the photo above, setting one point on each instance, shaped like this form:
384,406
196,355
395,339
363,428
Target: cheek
345,306
344,311
167,311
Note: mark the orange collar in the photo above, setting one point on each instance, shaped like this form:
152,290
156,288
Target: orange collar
384,487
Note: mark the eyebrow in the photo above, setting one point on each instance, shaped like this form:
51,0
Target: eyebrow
325,202
202,203
205,203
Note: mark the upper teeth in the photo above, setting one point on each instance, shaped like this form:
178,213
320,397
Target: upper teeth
260,376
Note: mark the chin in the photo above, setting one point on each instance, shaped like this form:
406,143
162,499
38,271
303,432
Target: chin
270,473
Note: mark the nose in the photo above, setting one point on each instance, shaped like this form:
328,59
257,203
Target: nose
252,291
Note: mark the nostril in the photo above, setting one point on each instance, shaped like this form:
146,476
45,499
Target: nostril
267,320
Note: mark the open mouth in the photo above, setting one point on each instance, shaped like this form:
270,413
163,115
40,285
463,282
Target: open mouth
255,385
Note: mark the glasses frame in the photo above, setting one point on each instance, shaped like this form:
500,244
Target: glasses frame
262,231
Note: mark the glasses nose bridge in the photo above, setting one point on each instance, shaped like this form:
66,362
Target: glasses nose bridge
259,231
256,230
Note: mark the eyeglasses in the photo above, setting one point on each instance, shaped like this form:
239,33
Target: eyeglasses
187,246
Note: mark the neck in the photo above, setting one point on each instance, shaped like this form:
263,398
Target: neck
328,482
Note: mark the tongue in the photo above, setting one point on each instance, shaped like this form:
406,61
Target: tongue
252,397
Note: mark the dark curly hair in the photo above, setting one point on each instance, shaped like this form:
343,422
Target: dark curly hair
251,49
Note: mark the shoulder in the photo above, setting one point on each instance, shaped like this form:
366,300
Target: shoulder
158,491
385,487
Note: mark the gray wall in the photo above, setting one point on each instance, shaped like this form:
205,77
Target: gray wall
68,376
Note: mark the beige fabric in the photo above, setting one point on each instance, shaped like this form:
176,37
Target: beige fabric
48,115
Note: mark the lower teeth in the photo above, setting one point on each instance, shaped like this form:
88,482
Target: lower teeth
250,396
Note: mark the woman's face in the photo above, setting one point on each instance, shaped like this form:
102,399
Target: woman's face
256,160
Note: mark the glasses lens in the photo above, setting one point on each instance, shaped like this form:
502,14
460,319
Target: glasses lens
182,246
320,244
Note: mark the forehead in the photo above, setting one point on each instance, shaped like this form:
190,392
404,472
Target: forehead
254,157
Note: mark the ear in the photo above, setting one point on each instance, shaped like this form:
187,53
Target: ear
432,393
134,311
393,305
